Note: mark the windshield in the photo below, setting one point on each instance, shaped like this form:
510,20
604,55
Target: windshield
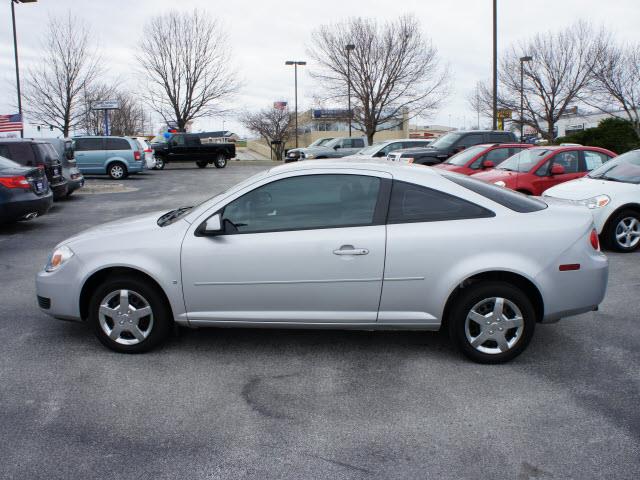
625,168
6,163
465,156
446,141
524,161
370,150
321,141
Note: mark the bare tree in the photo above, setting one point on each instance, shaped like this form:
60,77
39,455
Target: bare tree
617,81
54,88
394,70
187,64
272,124
129,119
479,103
554,79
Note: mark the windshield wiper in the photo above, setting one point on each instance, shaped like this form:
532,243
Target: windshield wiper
171,215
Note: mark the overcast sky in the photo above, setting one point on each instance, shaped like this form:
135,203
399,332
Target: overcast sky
263,34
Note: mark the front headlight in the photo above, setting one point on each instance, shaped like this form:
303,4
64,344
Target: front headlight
309,155
598,201
500,183
58,258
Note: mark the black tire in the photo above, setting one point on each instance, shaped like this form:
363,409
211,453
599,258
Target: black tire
202,163
160,163
117,171
220,161
615,226
483,293
158,326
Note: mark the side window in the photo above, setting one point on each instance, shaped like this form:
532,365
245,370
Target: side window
470,140
594,160
89,144
178,140
357,142
192,140
514,150
345,143
305,202
22,153
390,148
500,138
569,160
497,156
414,203
4,151
117,144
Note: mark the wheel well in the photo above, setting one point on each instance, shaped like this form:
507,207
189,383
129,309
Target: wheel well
100,276
630,206
116,160
519,281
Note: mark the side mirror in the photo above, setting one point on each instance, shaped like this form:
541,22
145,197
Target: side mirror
488,164
211,226
556,169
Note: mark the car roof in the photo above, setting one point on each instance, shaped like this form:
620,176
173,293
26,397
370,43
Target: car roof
373,164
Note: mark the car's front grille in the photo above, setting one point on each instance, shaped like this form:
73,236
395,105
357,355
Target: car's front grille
44,302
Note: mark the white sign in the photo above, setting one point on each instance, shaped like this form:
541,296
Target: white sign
105,105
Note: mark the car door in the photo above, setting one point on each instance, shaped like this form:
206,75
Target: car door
423,242
569,160
308,247
177,148
90,154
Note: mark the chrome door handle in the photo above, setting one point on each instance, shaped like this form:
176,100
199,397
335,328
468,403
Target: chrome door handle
350,250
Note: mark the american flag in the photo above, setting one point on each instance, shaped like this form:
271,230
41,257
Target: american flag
10,123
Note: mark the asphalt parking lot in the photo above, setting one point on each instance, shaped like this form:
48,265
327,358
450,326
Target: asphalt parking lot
262,404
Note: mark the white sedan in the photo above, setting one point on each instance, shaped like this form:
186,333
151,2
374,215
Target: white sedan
336,244
612,193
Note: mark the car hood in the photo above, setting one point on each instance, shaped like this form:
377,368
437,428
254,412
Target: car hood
450,168
496,175
586,187
124,228
315,150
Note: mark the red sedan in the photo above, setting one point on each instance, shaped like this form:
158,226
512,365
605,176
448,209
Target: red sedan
534,170
481,157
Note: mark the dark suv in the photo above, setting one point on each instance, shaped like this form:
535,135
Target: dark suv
37,153
452,143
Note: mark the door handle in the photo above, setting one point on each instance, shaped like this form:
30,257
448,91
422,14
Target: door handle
350,250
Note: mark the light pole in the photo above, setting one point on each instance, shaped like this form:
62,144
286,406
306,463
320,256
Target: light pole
15,51
495,64
349,47
526,58
295,64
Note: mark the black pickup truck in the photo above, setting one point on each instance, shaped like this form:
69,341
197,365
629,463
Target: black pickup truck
200,148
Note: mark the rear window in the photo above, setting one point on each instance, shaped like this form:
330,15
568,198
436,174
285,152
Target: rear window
20,152
6,163
117,144
515,201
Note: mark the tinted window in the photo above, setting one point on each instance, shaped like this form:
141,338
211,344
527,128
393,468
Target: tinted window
89,144
47,152
20,152
469,140
117,144
192,140
177,140
4,151
507,198
569,160
414,203
500,138
357,143
305,202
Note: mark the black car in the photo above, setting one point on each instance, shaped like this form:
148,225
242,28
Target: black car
200,148
24,192
37,153
452,143
66,152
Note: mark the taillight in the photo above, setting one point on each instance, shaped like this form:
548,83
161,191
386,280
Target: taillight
14,182
136,155
593,238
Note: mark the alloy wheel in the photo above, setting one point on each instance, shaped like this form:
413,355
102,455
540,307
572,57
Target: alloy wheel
117,171
628,232
494,325
125,317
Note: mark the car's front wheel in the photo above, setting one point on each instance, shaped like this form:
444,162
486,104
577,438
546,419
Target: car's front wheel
623,231
220,161
128,315
492,322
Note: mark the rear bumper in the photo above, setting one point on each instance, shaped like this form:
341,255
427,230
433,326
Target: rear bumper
60,189
23,204
75,184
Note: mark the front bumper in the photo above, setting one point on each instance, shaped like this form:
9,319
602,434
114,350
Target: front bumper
58,293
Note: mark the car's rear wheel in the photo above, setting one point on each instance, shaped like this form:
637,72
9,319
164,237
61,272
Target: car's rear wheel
128,315
202,164
159,163
492,322
117,171
623,231
220,161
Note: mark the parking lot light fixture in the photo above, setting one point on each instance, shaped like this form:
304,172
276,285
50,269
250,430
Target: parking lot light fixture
15,52
524,59
295,64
